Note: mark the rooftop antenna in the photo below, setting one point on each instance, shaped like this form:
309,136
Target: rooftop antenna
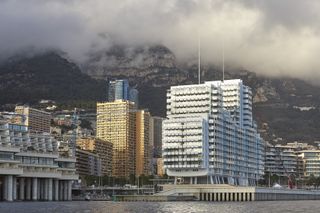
223,60
199,60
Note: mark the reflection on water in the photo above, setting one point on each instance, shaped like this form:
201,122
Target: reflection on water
145,207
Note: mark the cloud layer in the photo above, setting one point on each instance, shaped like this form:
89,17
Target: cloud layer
270,37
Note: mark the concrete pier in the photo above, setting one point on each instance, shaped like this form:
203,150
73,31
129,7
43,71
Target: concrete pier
227,193
50,191
28,189
14,188
56,190
34,189
21,188
8,186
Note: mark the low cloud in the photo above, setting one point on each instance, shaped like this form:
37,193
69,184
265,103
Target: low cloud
275,38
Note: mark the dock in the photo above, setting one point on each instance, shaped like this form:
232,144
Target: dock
222,193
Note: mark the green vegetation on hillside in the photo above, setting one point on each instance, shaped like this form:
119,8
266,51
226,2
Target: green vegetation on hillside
47,76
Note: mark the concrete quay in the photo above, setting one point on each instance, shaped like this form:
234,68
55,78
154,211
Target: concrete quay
222,193
153,198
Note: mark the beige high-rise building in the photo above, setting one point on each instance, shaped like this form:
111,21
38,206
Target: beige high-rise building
143,146
160,167
100,147
116,122
36,120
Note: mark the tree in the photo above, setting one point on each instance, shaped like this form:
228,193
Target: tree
311,181
85,124
317,182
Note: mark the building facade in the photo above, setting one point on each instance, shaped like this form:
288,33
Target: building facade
299,160
143,147
128,129
281,160
100,147
31,167
160,167
120,90
88,163
156,141
36,120
116,122
209,135
156,134
309,163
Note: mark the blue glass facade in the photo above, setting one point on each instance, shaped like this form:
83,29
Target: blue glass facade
120,90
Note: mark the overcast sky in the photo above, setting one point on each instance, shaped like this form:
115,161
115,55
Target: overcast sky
271,37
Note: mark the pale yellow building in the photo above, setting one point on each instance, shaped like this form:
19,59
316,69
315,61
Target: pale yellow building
100,147
143,145
85,144
36,120
116,122
160,167
309,163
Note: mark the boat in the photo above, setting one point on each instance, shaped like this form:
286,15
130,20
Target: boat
87,198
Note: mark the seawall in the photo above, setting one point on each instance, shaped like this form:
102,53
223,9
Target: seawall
223,193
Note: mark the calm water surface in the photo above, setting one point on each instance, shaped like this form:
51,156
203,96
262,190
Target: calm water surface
176,207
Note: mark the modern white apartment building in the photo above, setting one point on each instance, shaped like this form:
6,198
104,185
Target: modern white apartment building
30,166
209,135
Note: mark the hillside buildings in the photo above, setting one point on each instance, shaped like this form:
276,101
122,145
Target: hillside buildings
299,160
36,120
209,135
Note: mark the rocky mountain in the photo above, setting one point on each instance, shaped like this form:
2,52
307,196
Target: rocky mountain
285,109
46,76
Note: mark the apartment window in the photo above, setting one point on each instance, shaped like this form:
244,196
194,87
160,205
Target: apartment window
6,155
34,160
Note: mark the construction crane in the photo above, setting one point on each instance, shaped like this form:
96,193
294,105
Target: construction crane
290,182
